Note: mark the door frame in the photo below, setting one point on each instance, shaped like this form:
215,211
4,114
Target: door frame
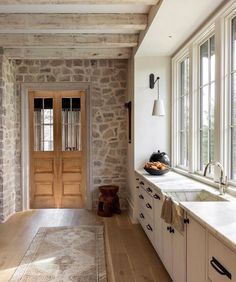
25,88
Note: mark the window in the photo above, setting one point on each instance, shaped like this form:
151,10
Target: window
233,101
204,98
183,105
206,102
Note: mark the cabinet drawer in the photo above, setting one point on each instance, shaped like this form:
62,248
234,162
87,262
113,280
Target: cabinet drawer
147,187
147,225
146,202
221,261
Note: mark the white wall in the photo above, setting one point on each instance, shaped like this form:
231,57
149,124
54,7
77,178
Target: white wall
150,132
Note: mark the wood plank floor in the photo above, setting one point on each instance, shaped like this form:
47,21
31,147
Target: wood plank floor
130,256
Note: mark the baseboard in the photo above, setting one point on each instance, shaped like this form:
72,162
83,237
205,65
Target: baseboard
131,212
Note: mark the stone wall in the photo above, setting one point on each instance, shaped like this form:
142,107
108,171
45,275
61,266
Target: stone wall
108,80
9,148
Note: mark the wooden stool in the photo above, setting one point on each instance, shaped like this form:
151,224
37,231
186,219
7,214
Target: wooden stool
108,200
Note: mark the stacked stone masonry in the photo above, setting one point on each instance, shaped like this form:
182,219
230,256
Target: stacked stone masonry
107,79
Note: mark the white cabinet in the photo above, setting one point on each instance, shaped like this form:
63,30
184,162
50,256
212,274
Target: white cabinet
179,256
194,256
157,204
174,252
169,243
221,261
167,248
196,251
145,211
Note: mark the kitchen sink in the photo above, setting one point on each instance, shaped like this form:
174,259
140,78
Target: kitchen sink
193,196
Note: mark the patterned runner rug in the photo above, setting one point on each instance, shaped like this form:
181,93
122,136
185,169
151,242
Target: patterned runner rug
61,254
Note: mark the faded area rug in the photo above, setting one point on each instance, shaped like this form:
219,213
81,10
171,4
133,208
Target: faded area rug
64,254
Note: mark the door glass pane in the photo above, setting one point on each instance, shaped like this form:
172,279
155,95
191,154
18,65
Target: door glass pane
71,124
43,124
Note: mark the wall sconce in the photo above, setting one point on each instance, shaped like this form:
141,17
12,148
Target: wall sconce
158,106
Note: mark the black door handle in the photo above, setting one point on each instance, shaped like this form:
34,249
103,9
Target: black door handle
141,215
220,268
172,230
186,220
157,197
149,227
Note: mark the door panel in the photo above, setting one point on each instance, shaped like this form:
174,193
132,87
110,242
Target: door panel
57,135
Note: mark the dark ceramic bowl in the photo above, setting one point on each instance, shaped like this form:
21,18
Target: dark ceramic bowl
153,171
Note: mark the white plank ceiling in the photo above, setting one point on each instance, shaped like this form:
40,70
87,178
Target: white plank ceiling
72,28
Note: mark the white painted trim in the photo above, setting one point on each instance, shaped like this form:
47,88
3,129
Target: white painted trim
182,55
131,211
24,90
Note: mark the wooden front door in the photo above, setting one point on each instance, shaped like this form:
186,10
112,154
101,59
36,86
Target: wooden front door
57,149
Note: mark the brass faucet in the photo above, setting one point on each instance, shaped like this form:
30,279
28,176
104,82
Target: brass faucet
223,179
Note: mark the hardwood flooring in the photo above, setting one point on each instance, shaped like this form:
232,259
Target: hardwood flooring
130,256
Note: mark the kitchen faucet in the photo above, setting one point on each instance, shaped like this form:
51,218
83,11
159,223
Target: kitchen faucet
222,180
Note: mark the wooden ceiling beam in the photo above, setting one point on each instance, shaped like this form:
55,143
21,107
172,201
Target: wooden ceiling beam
59,40
78,2
65,22
67,53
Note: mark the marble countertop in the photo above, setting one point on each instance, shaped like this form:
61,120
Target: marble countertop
173,181
217,217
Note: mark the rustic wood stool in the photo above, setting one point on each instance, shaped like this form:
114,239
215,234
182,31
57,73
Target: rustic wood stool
108,200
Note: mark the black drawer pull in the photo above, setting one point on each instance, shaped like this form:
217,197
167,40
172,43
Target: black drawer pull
137,179
149,190
172,230
137,187
168,228
141,182
149,227
141,215
220,268
186,220
141,197
157,197
148,206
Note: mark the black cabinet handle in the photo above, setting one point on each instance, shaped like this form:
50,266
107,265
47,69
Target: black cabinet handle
148,206
149,190
149,227
172,230
168,228
137,179
137,187
220,268
141,197
186,220
141,215
141,182
157,197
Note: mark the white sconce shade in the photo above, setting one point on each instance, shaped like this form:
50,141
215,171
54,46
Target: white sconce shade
158,108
